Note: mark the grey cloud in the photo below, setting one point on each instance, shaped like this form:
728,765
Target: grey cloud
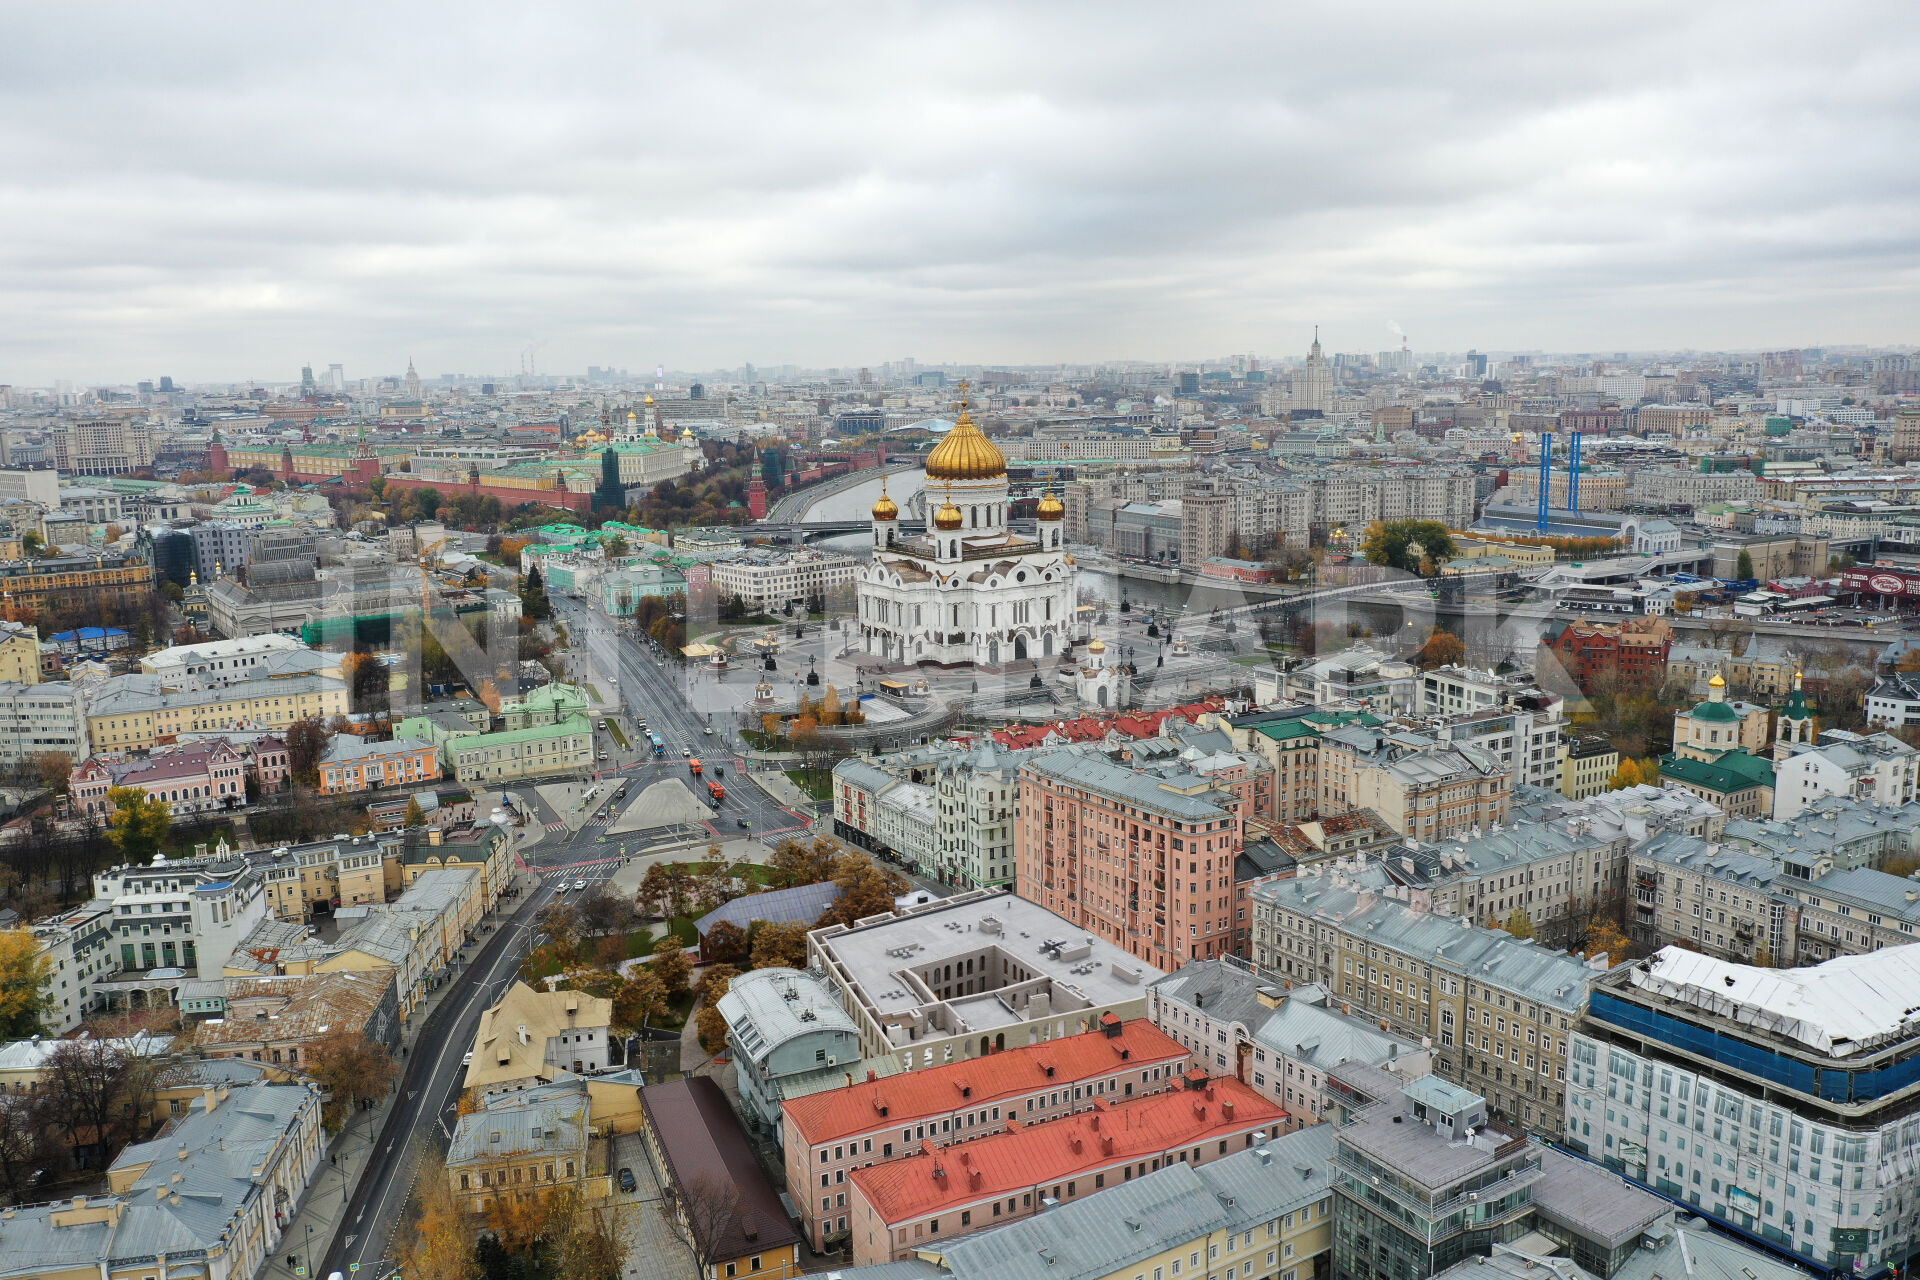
223,190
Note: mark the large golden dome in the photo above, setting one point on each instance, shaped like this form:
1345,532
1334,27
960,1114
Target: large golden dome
966,453
1050,508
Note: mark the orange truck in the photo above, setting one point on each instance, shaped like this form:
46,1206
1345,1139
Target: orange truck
693,766
716,792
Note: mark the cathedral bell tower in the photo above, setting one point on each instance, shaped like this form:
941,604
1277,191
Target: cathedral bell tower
1796,723
886,520
946,530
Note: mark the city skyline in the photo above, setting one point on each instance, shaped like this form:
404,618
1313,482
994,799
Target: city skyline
994,185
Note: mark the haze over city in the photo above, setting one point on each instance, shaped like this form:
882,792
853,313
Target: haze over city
969,641
224,190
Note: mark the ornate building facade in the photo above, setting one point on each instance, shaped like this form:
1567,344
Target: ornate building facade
968,590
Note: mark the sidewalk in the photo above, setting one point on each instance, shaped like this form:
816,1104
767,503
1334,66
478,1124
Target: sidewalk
318,1216
777,784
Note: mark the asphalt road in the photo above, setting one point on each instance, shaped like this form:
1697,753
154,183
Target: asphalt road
649,689
429,1088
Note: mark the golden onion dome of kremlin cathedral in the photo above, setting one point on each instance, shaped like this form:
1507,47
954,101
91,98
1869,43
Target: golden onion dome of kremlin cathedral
968,591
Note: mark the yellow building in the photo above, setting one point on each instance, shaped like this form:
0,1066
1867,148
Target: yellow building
1587,766
130,713
1712,728
1469,548
480,846
526,1145
29,585
19,653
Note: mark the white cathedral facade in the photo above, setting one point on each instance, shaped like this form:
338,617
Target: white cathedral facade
968,590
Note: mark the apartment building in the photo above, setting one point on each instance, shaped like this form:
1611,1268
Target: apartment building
190,914
136,713
1265,1211
943,809
901,1206
352,764
783,1023
1849,912
79,956
1876,767
1496,1009
1557,873
974,974
534,1037
1142,857
222,662
522,1145
19,653
510,754
1425,789
1721,900
767,582
1280,1040
41,719
826,1136
1587,766
1764,1099
30,585
1626,654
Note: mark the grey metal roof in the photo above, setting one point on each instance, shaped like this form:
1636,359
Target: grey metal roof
1307,1030
806,902
1594,1202
766,1008
1149,1215
1086,768
1897,896
1491,956
548,1119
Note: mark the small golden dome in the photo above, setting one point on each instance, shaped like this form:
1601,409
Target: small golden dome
1718,681
1068,558
649,399
1050,508
632,416
947,518
966,453
1098,646
886,508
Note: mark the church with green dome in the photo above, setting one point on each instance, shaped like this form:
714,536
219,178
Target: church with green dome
1712,728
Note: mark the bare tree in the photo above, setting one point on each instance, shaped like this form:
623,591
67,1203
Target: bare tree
25,1152
606,913
96,1092
707,1215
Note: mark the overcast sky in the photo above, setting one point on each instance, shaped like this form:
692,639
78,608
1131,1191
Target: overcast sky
226,192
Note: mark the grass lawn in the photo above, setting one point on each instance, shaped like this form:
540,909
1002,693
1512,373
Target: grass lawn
818,789
613,727
751,872
593,694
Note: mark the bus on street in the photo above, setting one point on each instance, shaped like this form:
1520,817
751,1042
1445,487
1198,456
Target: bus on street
659,744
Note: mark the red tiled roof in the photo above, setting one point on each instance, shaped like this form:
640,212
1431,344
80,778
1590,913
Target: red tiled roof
935,1091
1027,1156
1143,724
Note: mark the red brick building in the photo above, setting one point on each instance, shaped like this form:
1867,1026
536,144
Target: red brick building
1628,654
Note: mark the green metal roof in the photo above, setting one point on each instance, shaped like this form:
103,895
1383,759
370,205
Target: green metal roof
1734,771
1718,711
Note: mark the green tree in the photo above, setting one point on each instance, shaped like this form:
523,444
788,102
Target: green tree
139,824
1519,924
1743,567
615,547
1416,546
426,502
533,596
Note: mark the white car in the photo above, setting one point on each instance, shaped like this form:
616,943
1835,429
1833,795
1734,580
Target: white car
466,1059
562,887
613,679
579,884
686,751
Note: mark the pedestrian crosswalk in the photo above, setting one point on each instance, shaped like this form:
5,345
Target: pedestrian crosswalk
556,826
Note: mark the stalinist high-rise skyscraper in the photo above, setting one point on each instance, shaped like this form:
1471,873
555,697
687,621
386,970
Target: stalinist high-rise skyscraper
1313,382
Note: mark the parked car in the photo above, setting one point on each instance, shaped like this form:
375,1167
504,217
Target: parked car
627,1183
